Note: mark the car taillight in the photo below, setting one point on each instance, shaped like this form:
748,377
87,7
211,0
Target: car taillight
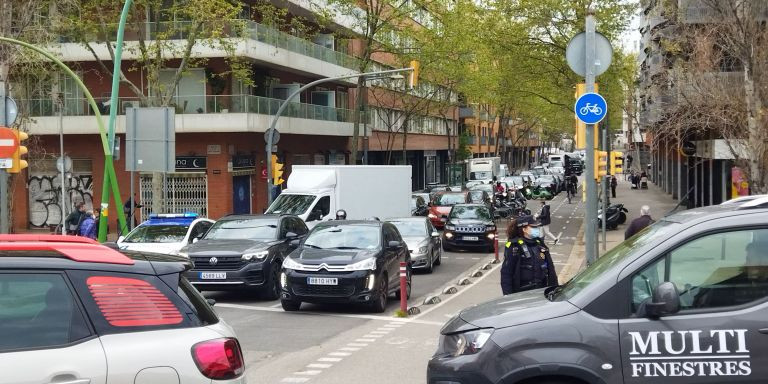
219,359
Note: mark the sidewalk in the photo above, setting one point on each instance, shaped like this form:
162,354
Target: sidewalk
660,203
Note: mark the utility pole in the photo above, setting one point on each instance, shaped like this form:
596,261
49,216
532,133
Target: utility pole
590,233
4,213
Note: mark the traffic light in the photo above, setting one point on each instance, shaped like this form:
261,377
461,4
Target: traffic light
414,79
601,162
616,162
277,171
18,163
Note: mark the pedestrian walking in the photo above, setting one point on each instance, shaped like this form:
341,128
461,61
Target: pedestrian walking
639,223
614,183
527,263
88,226
74,219
129,210
545,218
629,161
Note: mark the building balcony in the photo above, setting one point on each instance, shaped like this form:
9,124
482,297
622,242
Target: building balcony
465,112
213,113
657,64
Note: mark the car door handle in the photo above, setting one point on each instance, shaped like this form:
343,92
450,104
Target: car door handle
763,331
76,381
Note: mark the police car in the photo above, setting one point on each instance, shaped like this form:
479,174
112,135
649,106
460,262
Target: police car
165,233
683,301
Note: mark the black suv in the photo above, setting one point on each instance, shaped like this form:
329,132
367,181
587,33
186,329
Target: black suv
469,226
244,252
346,262
683,301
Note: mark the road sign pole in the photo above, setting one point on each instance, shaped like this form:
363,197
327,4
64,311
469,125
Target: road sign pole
590,235
4,214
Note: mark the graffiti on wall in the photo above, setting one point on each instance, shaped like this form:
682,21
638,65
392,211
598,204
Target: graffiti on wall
45,197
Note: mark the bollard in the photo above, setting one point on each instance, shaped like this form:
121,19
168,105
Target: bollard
403,286
496,247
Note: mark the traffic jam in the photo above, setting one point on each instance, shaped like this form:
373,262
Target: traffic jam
323,243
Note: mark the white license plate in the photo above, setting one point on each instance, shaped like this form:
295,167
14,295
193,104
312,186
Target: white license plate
213,275
322,281
470,238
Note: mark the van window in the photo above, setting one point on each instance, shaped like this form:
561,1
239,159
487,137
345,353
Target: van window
719,270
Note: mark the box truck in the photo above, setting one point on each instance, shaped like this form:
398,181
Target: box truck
484,168
316,192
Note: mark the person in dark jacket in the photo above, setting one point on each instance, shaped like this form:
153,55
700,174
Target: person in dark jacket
545,218
74,219
641,222
88,226
527,262
614,184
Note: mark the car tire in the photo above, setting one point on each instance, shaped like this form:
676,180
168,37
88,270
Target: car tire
290,305
439,259
430,265
447,248
408,285
272,287
379,304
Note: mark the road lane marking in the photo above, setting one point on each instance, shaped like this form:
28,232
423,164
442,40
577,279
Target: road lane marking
295,380
308,373
382,332
321,366
348,349
304,313
372,335
330,359
357,344
365,340
340,354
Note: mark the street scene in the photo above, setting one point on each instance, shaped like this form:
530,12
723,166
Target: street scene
344,191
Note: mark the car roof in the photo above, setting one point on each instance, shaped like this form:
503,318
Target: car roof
172,219
470,205
409,218
372,223
242,216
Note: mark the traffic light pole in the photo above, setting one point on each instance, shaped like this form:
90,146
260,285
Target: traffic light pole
590,235
605,183
284,104
4,213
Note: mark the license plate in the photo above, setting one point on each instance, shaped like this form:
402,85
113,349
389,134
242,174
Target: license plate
213,275
322,281
470,238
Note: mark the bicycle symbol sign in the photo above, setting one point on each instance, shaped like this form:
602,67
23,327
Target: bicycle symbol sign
590,108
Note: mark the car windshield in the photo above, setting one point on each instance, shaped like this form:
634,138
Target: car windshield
411,228
344,237
480,175
253,229
476,196
470,212
554,164
157,234
447,199
546,177
615,256
517,180
291,204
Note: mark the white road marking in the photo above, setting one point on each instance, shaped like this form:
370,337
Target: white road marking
351,316
475,258
308,373
340,354
381,332
365,340
348,349
321,366
357,344
459,258
372,335
330,359
295,380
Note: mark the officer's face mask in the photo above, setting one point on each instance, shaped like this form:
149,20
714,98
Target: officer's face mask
534,232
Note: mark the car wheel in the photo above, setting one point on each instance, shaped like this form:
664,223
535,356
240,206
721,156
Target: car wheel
379,303
272,286
408,280
290,305
446,247
430,264
439,259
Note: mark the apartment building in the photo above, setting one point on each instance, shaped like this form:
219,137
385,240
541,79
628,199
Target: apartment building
688,156
220,121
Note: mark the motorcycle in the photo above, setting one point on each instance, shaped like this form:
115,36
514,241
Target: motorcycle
617,215
507,205
537,192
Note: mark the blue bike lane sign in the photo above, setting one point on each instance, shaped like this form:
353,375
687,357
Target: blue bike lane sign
591,108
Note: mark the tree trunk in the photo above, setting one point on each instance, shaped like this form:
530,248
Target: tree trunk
405,141
757,136
358,118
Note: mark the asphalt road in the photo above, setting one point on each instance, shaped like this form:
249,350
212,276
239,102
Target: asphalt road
270,337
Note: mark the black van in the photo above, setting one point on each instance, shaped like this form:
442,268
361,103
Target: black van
683,301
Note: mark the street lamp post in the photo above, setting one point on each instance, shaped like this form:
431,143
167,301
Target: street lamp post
284,104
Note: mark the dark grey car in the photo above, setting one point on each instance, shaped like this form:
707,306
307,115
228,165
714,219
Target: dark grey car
244,252
423,241
683,301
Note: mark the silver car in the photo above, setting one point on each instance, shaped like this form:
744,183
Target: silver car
423,241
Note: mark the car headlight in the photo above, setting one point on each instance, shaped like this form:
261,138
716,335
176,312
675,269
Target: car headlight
422,249
465,343
261,255
432,216
450,227
289,263
367,264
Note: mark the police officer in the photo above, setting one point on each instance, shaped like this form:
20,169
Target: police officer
341,214
527,262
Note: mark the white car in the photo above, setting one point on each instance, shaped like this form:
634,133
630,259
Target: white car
78,312
165,233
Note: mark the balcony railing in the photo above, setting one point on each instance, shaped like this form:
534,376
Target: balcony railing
199,105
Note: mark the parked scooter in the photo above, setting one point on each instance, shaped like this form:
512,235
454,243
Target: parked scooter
617,215
537,192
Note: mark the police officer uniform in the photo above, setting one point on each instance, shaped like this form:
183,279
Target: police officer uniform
527,262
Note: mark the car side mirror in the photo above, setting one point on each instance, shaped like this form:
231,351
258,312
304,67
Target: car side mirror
665,301
120,239
295,242
435,234
315,215
211,302
195,240
393,244
444,219
291,235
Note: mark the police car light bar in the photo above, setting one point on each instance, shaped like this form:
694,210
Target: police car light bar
172,215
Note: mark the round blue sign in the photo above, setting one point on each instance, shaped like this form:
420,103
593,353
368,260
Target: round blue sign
591,108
